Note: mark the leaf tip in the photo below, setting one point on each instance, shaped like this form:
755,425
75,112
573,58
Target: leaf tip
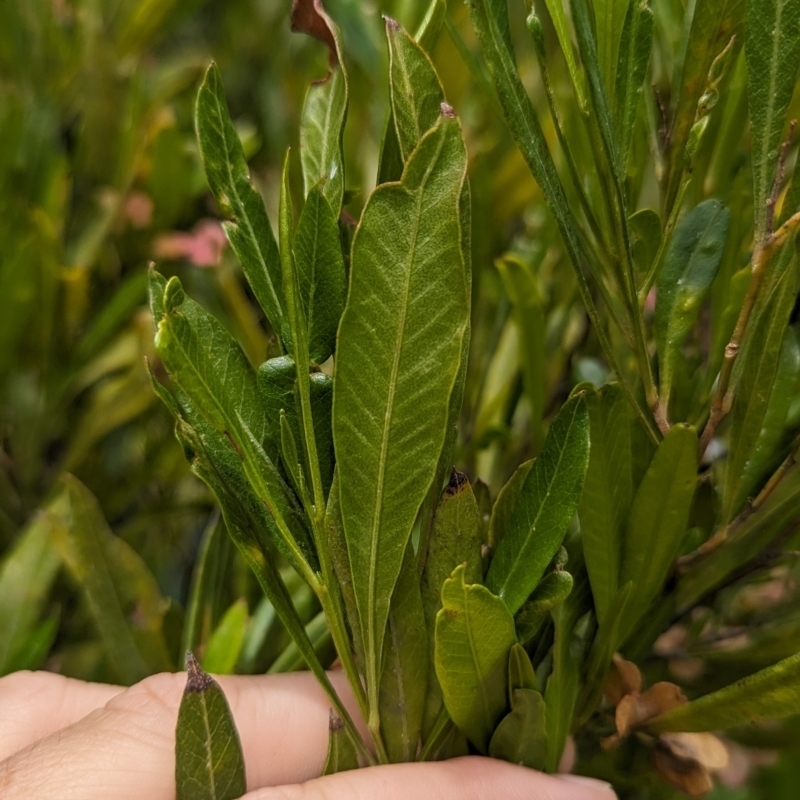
335,722
392,25
447,111
458,481
198,680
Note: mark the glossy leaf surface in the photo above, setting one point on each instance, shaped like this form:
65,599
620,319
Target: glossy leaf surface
474,635
209,764
397,364
547,501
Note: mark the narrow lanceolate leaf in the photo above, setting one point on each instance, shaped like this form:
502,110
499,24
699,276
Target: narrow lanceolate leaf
758,366
635,47
689,269
215,462
772,50
342,756
521,674
225,643
615,469
212,371
657,521
248,228
560,23
551,592
547,501
610,18
713,24
455,539
320,273
415,91
122,595
209,764
405,666
771,694
397,364
474,635
429,29
324,111
26,575
506,502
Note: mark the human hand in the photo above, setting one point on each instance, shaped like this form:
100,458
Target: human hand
68,740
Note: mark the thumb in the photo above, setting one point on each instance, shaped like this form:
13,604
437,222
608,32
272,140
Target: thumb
470,778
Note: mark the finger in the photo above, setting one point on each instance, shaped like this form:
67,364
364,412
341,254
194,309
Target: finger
35,704
127,748
470,778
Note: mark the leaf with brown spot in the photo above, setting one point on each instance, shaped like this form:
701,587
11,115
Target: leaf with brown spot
308,16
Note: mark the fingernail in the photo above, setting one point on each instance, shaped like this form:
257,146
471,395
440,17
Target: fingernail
588,783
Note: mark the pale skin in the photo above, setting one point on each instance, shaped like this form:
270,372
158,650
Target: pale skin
63,739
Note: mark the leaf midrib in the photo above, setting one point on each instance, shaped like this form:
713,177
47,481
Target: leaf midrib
372,579
244,218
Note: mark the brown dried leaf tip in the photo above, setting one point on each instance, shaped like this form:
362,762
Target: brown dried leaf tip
308,16
447,111
197,680
335,722
458,481
685,760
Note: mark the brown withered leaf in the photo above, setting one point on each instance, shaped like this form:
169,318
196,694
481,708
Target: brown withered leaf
636,709
308,16
706,749
624,678
685,774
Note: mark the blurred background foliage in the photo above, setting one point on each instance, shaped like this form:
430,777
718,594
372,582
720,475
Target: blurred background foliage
105,537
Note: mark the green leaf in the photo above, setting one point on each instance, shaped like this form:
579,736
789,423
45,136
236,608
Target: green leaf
337,550
405,667
771,694
225,643
713,24
474,635
506,502
520,671
758,364
559,17
213,460
429,29
213,372
551,592
342,756
547,502
574,626
692,261
209,764
610,17
635,47
772,50
248,229
416,93
658,520
521,736
396,366
26,576
122,595
322,123
645,228
591,51
455,539
522,289
277,386
320,273
618,449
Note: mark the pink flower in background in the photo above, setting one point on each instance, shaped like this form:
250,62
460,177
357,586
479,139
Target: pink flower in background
138,210
202,246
